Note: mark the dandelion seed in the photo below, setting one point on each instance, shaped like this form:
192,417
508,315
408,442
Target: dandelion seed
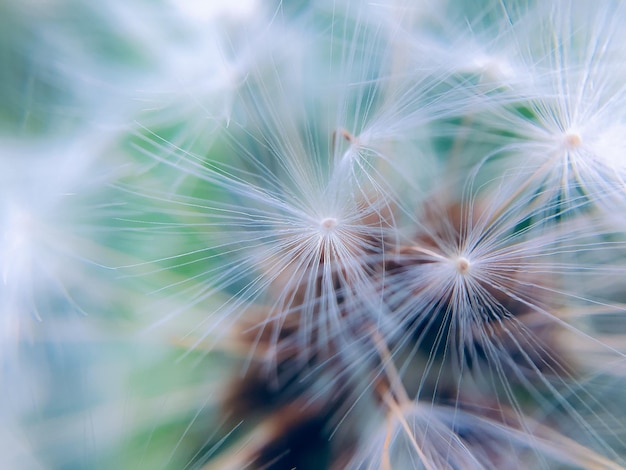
284,250
425,436
560,127
293,202
46,240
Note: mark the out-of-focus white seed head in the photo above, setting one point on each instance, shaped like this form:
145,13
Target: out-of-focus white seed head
199,11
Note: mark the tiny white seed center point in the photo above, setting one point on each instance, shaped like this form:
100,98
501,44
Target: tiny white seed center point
328,223
462,265
573,140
